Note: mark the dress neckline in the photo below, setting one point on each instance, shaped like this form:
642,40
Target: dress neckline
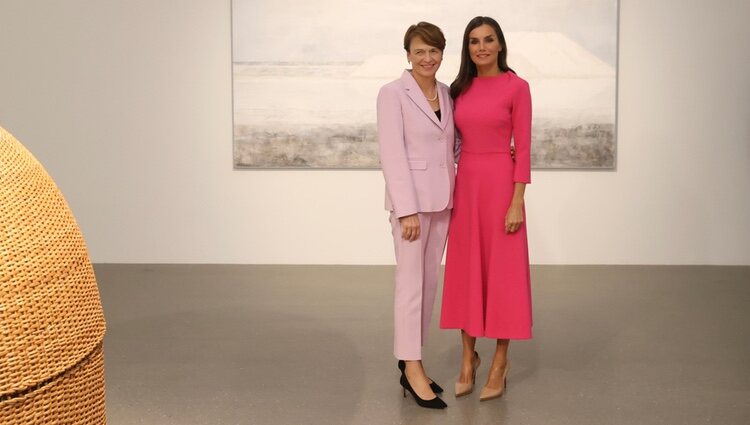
493,77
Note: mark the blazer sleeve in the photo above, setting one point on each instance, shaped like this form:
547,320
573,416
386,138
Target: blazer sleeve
393,156
521,117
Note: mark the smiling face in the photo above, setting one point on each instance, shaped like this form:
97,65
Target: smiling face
484,47
425,59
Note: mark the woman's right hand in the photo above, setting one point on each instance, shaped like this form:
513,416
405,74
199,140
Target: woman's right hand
409,227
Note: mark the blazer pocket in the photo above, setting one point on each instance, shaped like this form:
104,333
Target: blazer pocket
417,164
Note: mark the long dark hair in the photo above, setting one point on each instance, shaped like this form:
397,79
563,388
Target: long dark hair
468,69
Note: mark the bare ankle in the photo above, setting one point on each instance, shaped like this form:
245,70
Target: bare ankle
499,363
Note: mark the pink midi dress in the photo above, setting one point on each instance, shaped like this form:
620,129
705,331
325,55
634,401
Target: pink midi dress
487,290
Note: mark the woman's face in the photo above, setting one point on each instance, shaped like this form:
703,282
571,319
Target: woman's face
484,46
425,59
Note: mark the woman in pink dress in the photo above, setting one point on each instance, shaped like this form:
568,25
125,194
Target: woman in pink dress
487,290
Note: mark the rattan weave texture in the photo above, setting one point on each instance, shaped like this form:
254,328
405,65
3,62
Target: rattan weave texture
74,398
51,318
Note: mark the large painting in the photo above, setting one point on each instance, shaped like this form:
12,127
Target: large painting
306,75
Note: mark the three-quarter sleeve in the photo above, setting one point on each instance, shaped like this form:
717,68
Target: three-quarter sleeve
521,117
393,156
457,147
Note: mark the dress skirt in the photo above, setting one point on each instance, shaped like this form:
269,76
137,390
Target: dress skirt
487,290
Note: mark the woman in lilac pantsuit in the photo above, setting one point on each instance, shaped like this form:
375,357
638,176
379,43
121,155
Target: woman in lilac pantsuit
416,137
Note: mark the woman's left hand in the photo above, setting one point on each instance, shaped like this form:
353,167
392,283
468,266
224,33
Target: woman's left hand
514,217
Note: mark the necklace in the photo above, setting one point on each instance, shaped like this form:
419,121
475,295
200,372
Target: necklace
432,99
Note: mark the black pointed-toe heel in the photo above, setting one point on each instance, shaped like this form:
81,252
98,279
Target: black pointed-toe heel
437,389
435,403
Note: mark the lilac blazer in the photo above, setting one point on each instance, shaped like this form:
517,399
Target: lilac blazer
416,149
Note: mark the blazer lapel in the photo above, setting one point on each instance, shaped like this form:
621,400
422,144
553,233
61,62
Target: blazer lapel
416,95
445,108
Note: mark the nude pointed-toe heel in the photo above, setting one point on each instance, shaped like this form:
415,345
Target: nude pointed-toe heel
462,388
492,393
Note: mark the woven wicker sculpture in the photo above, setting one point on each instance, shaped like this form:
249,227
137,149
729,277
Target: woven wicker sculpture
51,320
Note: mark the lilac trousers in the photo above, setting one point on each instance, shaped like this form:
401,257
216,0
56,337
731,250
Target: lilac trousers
417,268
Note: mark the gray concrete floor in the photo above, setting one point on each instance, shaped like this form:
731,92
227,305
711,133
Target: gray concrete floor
212,344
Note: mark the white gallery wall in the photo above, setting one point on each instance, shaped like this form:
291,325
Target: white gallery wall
128,105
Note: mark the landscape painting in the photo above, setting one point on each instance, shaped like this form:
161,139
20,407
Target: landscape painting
306,75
